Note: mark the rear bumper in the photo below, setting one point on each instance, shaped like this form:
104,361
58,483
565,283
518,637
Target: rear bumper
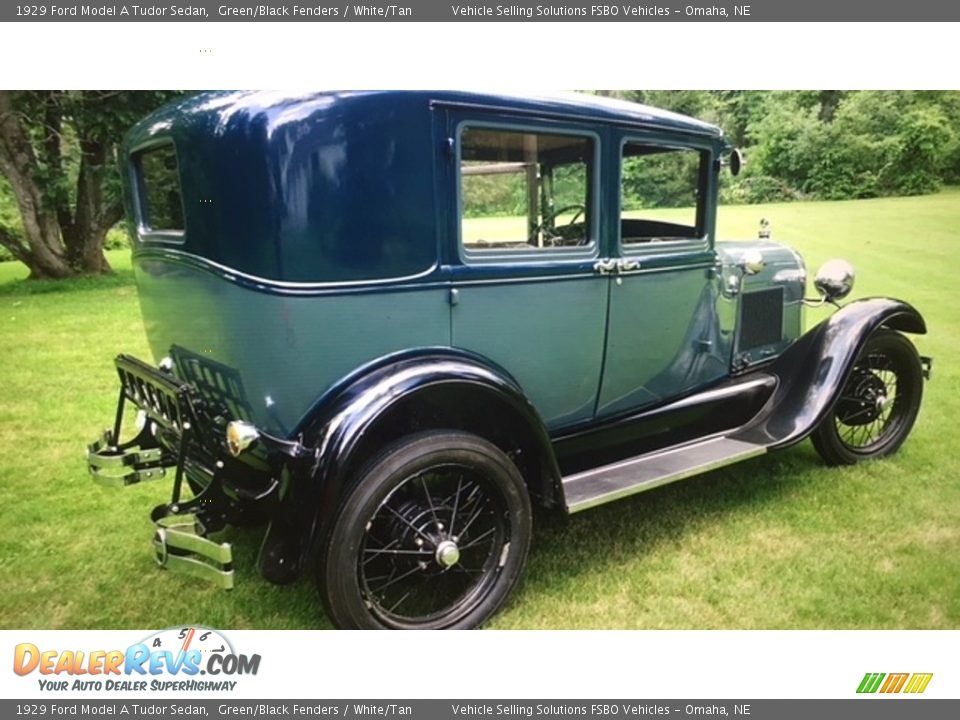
177,438
180,544
115,465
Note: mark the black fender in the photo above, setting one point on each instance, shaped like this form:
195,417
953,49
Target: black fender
439,388
812,372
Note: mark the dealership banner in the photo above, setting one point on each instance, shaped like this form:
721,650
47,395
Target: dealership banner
601,675
481,11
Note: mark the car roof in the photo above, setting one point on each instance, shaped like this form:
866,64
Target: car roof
574,105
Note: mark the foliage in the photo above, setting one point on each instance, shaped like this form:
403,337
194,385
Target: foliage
662,180
751,188
58,155
872,144
917,164
494,195
117,238
9,218
825,144
505,195
810,144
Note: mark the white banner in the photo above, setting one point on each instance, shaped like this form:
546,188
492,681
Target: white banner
60,665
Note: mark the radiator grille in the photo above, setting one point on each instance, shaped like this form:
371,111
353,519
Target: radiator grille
761,318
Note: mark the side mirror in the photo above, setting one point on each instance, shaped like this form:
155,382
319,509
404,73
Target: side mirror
736,161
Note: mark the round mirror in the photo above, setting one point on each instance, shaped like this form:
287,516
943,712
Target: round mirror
736,161
834,279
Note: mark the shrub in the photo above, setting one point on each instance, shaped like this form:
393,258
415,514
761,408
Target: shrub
752,189
117,238
918,159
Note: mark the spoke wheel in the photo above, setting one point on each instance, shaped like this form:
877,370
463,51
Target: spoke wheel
878,405
434,535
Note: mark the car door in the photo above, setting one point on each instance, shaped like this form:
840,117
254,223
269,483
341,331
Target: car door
524,241
668,329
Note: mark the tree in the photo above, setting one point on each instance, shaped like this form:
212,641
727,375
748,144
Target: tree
58,152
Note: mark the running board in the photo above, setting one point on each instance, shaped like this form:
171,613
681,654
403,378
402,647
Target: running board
645,472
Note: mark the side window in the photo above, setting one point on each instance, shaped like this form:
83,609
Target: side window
661,189
159,180
524,191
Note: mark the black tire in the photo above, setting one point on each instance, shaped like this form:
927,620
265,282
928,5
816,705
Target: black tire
434,534
878,405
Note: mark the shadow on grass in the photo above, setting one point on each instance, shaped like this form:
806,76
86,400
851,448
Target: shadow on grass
299,602
566,550
571,548
118,278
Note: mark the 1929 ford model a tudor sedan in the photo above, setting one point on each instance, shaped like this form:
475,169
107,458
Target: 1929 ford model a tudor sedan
388,323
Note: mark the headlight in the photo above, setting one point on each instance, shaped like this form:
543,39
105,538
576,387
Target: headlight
240,436
834,279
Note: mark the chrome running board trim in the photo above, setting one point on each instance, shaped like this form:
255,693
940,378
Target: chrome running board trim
607,483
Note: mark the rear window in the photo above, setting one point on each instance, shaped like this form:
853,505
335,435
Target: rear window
161,199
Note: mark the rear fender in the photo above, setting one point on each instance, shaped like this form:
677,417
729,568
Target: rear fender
431,390
814,370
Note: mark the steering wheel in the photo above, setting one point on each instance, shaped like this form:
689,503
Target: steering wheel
554,238
580,210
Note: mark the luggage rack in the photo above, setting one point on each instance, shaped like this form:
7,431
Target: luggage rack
169,405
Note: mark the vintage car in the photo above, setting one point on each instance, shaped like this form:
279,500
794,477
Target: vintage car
388,324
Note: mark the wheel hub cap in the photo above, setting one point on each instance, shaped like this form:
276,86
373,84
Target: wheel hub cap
864,398
448,554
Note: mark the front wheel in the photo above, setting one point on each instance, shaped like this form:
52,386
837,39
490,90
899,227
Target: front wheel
433,535
878,405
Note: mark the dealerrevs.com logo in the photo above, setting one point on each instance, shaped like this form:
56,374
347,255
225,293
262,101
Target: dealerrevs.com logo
172,659
889,683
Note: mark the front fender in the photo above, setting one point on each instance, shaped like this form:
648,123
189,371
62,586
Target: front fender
433,389
813,371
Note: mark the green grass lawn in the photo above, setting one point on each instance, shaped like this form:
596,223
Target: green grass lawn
777,542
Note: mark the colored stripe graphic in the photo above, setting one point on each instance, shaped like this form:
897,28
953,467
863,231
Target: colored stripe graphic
918,683
870,682
894,683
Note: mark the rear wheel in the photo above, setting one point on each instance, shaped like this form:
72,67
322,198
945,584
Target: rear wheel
434,535
878,405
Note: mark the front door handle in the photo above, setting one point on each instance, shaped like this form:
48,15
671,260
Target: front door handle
624,265
605,266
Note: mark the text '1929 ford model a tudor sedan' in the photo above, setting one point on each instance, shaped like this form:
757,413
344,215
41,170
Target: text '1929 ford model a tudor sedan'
387,324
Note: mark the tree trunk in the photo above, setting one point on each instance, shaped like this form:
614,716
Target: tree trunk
94,215
45,254
829,100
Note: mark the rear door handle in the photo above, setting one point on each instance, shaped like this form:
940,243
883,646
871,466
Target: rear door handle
624,265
